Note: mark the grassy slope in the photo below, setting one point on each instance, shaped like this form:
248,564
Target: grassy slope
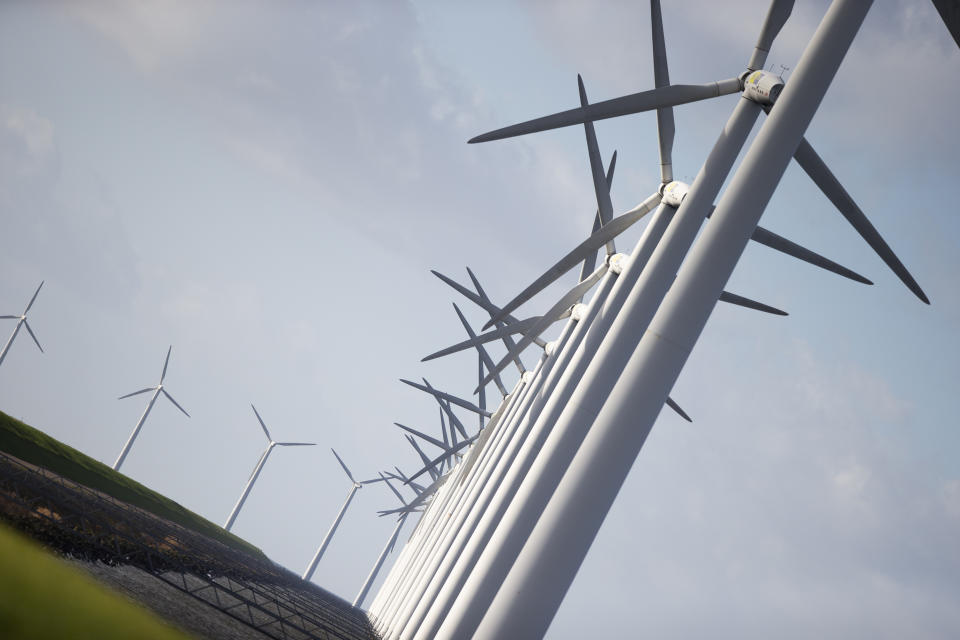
36,447
41,597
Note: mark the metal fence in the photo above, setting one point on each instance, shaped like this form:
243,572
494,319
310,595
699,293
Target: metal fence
82,522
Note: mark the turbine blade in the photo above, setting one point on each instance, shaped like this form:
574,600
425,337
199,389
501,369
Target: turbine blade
443,428
950,14
616,226
673,405
590,261
136,393
469,406
551,316
484,356
30,331
440,458
776,17
523,326
9,317
507,340
423,457
482,302
429,439
262,425
733,298
455,424
296,444
170,398
604,204
781,244
392,488
831,187
165,363
634,103
345,470
661,78
35,293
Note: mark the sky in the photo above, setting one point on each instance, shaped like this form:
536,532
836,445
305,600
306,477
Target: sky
266,186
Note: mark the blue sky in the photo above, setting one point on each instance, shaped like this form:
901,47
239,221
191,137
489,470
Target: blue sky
267,186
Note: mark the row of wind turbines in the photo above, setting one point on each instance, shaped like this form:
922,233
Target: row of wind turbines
504,530
510,509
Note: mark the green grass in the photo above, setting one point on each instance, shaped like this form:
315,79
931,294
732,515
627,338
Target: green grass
36,447
41,597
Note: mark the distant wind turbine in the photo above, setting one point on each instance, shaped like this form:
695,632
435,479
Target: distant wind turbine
157,390
21,321
259,467
308,573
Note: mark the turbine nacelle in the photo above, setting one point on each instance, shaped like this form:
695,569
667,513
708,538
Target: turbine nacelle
762,87
674,192
616,263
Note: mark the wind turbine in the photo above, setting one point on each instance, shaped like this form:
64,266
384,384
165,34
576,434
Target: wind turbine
21,321
259,467
157,390
308,573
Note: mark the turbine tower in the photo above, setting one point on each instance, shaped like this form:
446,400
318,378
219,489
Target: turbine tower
21,322
257,469
157,390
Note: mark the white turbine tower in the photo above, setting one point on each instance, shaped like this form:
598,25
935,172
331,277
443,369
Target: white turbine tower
308,573
256,470
157,390
21,322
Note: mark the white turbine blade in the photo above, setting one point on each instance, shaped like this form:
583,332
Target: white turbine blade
482,396
372,480
817,169
345,470
455,424
604,204
732,298
430,466
555,313
482,302
608,231
776,17
507,341
661,78
165,363
522,326
394,489
296,444
469,406
484,356
634,103
30,331
413,485
673,405
170,398
590,260
432,463
262,425
429,439
35,293
136,393
950,13
781,244
9,317
443,429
